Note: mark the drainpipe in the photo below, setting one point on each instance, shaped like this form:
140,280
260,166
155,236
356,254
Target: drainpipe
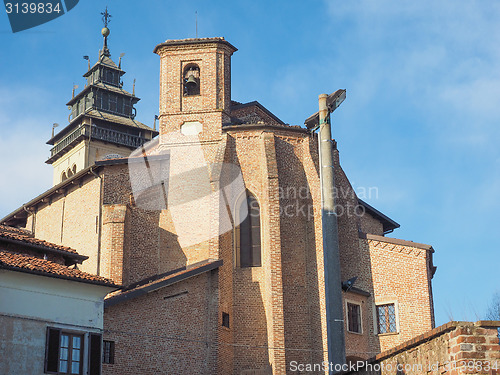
333,290
99,221
32,219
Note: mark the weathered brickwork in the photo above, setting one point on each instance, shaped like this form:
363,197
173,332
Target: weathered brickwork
153,334
369,224
211,107
411,293
114,249
277,312
451,349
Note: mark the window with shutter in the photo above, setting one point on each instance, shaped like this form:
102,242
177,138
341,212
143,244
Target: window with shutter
65,352
354,318
52,350
95,341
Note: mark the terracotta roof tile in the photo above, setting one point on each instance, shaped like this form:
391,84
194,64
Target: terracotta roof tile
20,231
26,237
25,263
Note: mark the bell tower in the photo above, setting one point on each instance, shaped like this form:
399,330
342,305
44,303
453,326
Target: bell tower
195,86
102,121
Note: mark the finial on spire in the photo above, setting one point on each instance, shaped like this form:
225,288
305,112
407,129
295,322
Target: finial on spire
88,59
133,88
106,18
120,60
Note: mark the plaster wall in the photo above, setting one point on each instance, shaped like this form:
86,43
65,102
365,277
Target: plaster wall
50,299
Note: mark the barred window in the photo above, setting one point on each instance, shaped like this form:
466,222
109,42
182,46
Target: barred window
108,352
386,318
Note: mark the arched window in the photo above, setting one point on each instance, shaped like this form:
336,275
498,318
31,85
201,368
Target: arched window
191,80
74,169
63,177
69,173
248,242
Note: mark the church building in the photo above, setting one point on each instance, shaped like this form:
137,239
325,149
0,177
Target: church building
214,230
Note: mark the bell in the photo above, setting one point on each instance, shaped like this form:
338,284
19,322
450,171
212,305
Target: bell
191,81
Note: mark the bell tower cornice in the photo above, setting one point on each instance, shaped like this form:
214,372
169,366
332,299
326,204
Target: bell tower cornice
190,43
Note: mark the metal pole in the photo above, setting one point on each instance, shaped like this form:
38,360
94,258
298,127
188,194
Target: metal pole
333,290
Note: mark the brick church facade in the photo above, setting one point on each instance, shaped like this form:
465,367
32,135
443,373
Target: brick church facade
248,300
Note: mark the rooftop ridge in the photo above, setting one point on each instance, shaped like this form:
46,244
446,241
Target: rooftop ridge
29,264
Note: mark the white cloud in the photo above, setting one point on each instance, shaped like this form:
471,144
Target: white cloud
22,145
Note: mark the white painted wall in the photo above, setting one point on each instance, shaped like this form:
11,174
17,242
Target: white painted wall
51,299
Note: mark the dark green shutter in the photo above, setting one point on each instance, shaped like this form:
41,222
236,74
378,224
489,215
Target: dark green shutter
95,354
52,349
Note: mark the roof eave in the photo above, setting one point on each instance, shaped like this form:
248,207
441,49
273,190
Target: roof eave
63,277
77,258
151,287
388,224
255,103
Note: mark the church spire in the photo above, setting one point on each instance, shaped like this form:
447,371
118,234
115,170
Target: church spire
106,18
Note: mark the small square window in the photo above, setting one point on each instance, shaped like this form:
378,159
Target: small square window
354,317
225,320
108,352
386,318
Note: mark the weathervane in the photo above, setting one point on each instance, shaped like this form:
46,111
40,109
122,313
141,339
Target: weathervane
106,17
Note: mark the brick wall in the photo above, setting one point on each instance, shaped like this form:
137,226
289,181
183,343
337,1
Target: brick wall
172,330
277,311
212,106
71,218
399,275
451,349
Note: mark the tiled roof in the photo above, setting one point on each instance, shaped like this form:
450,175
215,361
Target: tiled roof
16,231
25,237
100,85
103,60
116,119
107,61
25,263
112,88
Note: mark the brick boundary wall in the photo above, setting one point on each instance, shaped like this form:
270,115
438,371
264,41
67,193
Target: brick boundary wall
451,349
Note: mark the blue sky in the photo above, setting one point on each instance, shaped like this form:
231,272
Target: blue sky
420,122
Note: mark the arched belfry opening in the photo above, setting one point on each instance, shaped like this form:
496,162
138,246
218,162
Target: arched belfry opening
191,80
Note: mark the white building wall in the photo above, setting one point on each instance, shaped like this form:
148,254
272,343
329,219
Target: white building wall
31,303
